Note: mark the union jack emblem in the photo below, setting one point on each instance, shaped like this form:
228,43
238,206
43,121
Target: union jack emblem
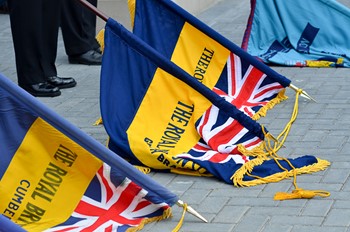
248,89
116,209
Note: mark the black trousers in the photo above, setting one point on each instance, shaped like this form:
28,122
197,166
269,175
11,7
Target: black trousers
78,25
34,26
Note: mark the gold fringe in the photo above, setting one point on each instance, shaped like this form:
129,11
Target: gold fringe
267,150
246,168
100,37
132,7
107,142
263,110
166,214
98,122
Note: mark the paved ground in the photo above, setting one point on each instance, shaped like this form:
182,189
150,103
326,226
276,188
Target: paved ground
322,129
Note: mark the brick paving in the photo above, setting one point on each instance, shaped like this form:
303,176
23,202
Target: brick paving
322,129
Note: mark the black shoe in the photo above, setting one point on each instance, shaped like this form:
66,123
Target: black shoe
62,82
42,90
98,50
91,57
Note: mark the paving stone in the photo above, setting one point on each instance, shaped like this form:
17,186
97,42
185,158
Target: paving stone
246,223
296,220
321,129
338,217
301,228
317,207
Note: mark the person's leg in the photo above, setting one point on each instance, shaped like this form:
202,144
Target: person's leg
78,26
50,26
35,44
52,10
90,25
29,45
27,51
75,37
3,7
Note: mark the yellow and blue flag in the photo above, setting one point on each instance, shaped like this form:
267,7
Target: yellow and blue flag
299,33
215,62
160,116
54,177
191,44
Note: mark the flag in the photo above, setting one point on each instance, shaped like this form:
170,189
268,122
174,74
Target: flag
217,63
191,44
151,107
54,177
214,61
299,33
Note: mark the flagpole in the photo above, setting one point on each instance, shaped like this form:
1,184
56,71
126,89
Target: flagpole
104,17
99,13
191,210
8,225
303,93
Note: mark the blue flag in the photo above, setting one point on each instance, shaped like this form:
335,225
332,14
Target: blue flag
151,107
301,33
54,177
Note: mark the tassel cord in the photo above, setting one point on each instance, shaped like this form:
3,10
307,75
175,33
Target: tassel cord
269,149
178,226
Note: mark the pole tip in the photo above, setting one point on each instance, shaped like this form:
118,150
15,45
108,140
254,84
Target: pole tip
191,211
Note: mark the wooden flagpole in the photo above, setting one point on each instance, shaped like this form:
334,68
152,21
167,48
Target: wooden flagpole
99,13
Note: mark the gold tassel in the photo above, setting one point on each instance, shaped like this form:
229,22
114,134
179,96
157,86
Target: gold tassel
268,150
300,194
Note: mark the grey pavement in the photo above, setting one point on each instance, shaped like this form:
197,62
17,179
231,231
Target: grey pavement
322,129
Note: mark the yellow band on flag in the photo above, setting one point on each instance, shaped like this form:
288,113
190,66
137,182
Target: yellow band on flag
46,178
203,58
177,106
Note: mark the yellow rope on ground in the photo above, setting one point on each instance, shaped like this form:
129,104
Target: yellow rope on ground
299,193
178,226
268,150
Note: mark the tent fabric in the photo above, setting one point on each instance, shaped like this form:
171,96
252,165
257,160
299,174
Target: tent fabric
299,33
46,184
